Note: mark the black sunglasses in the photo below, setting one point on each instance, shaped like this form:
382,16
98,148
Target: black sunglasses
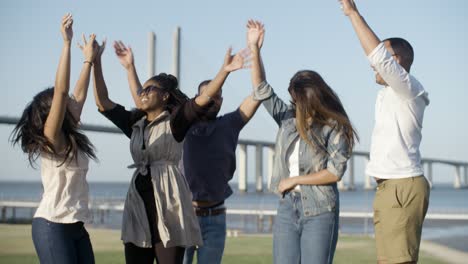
148,90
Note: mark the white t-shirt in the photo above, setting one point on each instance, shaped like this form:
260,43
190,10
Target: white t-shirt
293,161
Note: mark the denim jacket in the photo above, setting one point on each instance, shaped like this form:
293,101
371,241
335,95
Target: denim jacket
316,199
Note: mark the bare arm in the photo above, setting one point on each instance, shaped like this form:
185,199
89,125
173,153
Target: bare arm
255,37
54,121
367,37
262,90
81,88
125,56
319,178
101,95
248,108
231,63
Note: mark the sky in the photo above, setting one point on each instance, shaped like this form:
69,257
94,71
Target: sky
300,35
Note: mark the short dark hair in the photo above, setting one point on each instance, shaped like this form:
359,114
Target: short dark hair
402,48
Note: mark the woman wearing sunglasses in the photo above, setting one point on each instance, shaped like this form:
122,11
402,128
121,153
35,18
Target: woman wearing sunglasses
158,218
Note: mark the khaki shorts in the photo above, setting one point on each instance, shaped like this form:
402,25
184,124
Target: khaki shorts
400,206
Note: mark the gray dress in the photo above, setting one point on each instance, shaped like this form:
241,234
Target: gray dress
176,221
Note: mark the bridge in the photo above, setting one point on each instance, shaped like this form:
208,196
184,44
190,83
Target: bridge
460,168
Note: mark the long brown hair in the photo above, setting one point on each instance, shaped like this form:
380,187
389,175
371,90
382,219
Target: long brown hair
314,100
29,132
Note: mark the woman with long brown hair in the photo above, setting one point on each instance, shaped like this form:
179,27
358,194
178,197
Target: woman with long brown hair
314,142
49,129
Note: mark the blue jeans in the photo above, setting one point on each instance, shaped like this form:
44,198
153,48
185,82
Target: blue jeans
213,229
61,243
303,239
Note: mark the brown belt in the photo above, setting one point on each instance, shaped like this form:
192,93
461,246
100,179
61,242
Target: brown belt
209,211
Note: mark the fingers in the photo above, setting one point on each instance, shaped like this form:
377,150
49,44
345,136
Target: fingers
104,42
84,39
102,47
255,24
67,20
92,37
117,48
228,52
120,48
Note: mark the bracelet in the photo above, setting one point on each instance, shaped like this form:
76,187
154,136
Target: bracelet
90,63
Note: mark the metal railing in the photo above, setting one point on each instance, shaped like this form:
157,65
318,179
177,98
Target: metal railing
348,182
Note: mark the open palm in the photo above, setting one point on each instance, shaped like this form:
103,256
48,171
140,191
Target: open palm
236,61
255,33
67,27
124,54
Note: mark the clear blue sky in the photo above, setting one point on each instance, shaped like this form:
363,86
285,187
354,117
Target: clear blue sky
300,35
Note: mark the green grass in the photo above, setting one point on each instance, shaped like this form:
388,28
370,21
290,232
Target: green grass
16,247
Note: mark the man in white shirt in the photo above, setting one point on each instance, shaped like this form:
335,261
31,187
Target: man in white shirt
402,195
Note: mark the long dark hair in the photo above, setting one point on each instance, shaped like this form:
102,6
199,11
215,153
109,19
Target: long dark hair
313,98
167,83
29,132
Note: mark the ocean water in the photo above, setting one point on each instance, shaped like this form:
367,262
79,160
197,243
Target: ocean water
443,199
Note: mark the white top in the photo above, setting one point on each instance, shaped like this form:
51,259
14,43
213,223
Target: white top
65,197
293,161
399,113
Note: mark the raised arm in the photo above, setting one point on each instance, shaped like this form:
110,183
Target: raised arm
262,90
54,121
392,67
367,37
125,56
80,92
101,95
231,63
255,37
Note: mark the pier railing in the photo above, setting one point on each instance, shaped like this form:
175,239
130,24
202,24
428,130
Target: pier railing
348,182
460,168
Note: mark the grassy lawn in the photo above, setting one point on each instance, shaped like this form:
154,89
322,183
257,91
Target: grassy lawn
16,247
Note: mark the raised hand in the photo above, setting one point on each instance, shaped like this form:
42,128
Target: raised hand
124,54
348,7
66,28
100,49
255,34
237,61
89,48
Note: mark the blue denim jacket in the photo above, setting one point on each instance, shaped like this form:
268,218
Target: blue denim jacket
316,199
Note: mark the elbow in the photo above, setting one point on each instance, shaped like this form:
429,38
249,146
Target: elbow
334,178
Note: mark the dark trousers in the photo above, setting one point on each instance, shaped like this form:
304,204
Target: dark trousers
61,243
134,254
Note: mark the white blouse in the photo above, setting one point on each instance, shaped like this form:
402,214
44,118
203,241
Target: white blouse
65,198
